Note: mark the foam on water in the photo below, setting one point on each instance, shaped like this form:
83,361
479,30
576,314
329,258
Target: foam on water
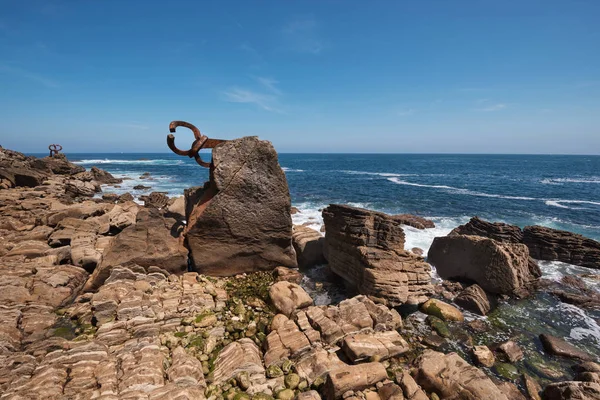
286,169
422,238
129,162
383,174
560,181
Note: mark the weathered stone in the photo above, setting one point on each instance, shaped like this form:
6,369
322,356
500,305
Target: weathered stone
147,243
474,299
287,274
559,347
409,386
236,357
442,310
241,221
366,248
571,390
556,245
308,244
80,188
288,297
316,363
484,356
355,377
374,346
494,230
156,200
351,316
310,395
414,221
512,351
284,341
501,268
532,387
450,376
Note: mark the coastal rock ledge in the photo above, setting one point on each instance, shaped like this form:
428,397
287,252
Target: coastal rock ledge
366,248
240,221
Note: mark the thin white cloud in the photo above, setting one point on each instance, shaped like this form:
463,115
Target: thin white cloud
302,35
269,84
32,76
407,112
264,101
493,107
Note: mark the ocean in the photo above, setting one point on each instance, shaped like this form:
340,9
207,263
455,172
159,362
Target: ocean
560,192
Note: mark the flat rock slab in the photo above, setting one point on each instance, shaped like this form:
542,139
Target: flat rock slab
559,347
353,377
377,345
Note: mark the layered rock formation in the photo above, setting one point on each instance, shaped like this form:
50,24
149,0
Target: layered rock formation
308,244
556,245
366,248
501,268
543,243
240,221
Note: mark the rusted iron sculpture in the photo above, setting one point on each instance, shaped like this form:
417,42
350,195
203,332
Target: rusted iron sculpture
54,149
201,142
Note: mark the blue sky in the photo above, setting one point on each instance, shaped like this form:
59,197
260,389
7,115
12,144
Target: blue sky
481,76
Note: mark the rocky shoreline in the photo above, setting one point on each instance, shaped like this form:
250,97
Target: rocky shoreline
105,298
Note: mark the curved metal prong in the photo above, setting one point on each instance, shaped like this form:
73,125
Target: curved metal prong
174,124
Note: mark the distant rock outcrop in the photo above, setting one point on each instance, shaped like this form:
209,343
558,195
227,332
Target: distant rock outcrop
414,221
556,245
366,248
543,243
494,230
240,221
501,268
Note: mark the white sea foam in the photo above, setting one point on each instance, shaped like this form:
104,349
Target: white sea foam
383,174
556,270
286,169
463,191
560,181
140,162
309,215
558,203
422,238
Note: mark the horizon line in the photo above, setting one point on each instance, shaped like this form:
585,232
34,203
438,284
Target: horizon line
354,153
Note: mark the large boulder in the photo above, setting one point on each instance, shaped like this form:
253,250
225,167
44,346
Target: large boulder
366,248
501,268
572,390
240,221
149,242
543,243
556,245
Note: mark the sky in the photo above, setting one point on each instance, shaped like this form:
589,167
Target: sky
427,76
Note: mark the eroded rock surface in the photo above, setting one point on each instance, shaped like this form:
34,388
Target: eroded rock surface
366,248
502,268
241,222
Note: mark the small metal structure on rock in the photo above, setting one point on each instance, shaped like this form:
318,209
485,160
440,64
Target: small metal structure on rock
201,142
54,149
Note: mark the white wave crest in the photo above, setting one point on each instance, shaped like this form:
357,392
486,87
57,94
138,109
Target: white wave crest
461,190
560,181
558,203
384,174
129,162
286,169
